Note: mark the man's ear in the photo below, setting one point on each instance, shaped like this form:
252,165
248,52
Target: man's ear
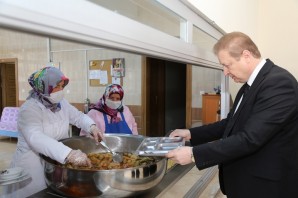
246,53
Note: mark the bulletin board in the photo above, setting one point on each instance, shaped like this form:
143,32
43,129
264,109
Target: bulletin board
101,73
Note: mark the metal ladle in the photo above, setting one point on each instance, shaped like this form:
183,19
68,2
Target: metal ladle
117,157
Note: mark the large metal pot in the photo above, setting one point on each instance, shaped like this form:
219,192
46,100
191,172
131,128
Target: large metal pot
103,183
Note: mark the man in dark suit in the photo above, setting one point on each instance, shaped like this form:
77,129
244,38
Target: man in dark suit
256,146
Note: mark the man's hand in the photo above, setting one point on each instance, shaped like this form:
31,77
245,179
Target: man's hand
185,133
180,155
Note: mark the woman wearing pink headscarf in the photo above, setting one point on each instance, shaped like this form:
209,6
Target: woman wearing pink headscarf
110,115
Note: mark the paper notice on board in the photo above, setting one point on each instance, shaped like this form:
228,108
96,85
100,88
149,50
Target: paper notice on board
115,80
103,77
94,74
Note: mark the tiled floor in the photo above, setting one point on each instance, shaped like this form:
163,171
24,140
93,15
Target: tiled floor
8,146
181,188
212,190
183,185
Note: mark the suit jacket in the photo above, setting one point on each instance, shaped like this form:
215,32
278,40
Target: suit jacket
256,147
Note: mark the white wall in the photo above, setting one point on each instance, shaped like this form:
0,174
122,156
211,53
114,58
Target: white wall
31,52
87,23
278,32
270,23
231,15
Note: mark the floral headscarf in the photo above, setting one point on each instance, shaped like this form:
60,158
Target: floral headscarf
43,82
102,107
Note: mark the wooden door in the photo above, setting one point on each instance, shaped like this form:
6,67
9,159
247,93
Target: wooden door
8,85
155,123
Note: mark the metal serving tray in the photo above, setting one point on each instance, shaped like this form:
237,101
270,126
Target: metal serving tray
159,146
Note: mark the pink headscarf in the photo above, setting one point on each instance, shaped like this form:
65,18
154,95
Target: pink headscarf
102,107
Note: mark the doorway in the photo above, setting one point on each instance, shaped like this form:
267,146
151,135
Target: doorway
8,88
165,96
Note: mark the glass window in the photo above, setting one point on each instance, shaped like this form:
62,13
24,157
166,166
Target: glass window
147,12
202,39
204,81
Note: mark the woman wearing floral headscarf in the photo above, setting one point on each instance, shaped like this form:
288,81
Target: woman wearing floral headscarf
43,120
110,115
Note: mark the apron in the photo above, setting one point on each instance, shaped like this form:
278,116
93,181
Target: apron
119,127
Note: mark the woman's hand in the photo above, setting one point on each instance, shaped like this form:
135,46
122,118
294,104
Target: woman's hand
185,133
181,155
96,133
78,158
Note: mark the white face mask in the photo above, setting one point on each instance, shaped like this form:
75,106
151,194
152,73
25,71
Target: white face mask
56,97
113,104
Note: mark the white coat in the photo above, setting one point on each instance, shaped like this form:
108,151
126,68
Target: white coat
39,129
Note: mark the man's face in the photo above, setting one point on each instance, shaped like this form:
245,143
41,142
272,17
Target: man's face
238,70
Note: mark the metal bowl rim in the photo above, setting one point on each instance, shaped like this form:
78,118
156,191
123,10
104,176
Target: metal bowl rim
160,159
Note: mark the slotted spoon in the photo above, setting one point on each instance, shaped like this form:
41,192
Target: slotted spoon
117,157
